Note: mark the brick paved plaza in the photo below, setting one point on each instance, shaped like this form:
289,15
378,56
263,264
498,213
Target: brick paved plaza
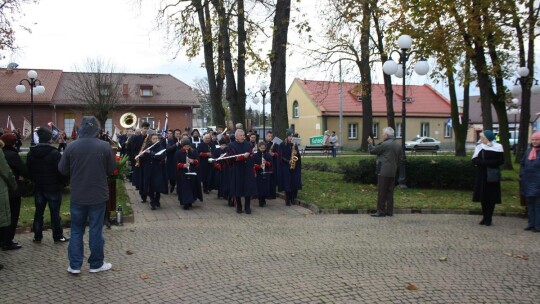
284,255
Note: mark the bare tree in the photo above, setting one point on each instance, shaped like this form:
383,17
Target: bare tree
98,86
9,9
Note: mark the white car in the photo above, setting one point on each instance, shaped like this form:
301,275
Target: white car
422,143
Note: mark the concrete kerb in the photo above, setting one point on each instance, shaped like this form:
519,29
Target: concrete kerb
316,210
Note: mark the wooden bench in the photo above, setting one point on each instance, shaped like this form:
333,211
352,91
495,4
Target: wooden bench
323,149
433,151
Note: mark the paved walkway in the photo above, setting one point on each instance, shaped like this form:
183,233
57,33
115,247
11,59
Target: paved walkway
285,255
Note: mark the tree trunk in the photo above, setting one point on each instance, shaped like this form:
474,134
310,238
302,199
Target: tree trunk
365,74
460,128
388,91
241,62
218,113
278,61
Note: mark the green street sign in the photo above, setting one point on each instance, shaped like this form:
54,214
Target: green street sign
316,140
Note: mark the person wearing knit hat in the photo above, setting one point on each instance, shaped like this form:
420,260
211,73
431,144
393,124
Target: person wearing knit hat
88,162
529,174
489,135
44,135
487,156
42,163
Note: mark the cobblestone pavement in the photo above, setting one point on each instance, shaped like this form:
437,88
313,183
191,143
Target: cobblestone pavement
285,254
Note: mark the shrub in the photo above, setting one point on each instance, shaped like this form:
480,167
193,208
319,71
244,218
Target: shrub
422,172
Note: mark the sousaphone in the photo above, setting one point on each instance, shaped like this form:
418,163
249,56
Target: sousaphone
128,120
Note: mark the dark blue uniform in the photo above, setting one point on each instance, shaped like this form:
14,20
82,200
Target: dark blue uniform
289,180
154,182
188,185
242,181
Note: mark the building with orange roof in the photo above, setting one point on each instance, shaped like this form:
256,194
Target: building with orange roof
148,96
314,107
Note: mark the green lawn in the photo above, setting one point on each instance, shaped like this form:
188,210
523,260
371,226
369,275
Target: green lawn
27,207
327,190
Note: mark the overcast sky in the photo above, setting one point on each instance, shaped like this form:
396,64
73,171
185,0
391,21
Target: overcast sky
67,32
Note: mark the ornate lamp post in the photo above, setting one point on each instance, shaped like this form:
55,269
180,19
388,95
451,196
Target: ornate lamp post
35,87
524,85
390,67
263,91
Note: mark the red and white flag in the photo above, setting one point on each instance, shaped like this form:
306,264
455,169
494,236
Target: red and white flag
9,125
26,128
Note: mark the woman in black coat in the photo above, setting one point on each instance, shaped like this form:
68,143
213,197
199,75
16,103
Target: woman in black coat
487,154
20,171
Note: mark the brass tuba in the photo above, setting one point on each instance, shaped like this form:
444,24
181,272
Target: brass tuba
128,120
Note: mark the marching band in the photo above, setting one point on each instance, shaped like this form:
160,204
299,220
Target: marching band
239,166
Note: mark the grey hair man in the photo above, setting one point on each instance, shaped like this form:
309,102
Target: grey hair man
389,154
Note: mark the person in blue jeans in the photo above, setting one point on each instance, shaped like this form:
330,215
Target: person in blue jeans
42,163
88,161
529,174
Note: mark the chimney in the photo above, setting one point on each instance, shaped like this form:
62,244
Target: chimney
125,89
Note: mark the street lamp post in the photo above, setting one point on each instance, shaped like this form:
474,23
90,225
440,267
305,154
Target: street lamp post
524,85
390,67
263,91
35,86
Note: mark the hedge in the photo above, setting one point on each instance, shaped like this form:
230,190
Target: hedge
422,172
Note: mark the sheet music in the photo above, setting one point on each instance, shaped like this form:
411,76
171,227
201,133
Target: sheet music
277,140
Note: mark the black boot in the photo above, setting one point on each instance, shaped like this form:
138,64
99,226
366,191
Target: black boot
238,206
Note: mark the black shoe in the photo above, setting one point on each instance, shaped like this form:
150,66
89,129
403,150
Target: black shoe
238,210
185,207
153,208
528,228
248,211
487,224
288,203
62,240
172,189
11,247
482,222
158,204
143,201
535,230
389,214
37,241
378,214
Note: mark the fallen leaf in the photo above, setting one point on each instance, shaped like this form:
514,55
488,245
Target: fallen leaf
65,213
144,276
357,234
443,259
411,287
129,252
517,256
292,254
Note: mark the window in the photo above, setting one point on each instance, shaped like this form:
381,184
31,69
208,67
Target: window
146,91
295,109
353,131
447,130
105,90
109,127
375,130
398,130
69,123
424,129
150,120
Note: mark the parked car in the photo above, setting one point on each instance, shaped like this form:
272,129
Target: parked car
422,143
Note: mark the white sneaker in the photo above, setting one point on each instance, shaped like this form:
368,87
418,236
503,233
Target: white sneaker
73,271
106,266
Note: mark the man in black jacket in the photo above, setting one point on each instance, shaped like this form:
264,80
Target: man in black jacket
42,162
19,170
